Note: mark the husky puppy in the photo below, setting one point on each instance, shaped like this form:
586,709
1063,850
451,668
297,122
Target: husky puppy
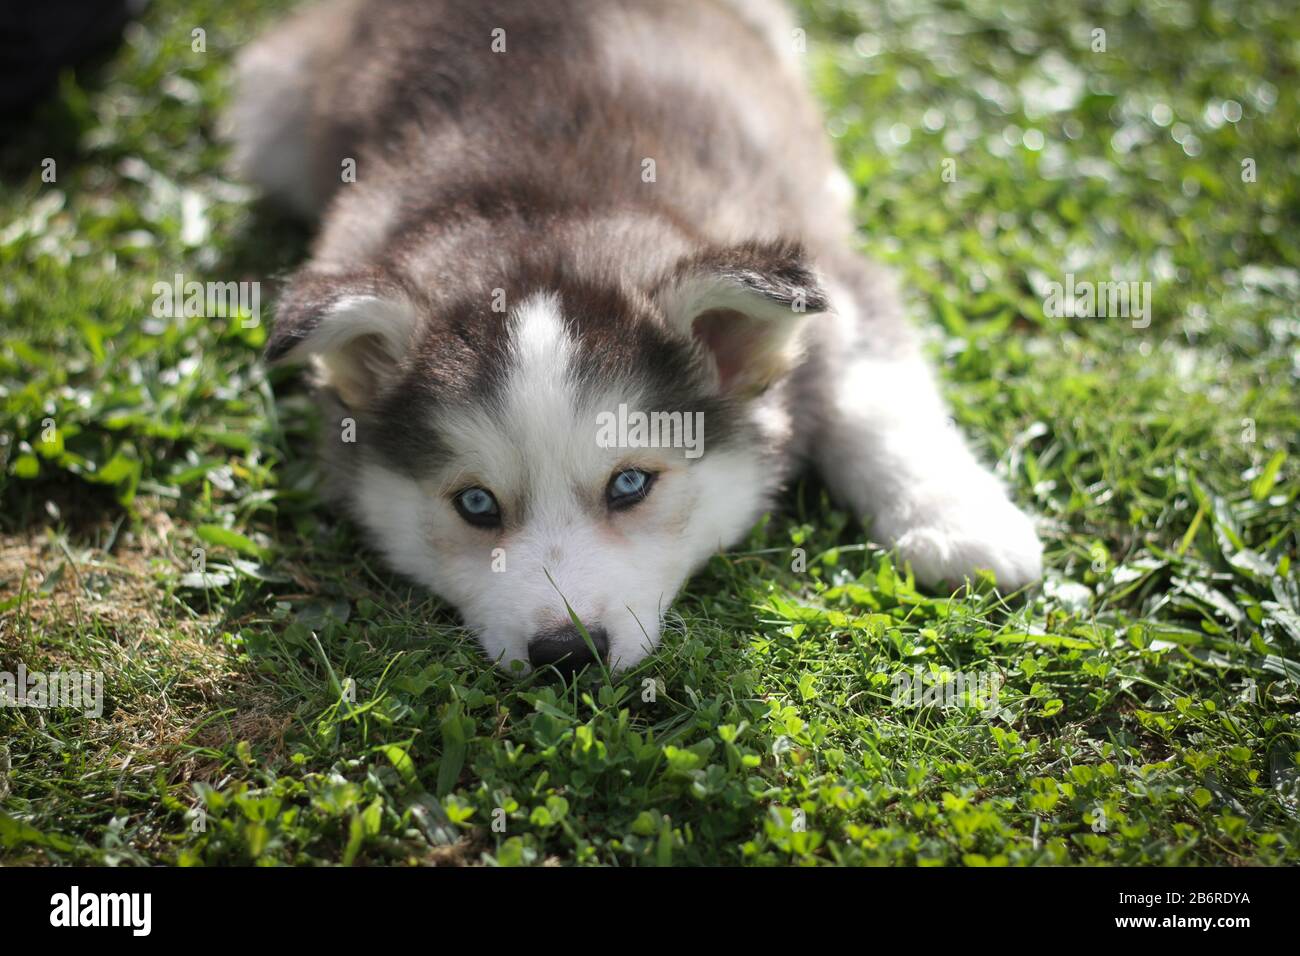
544,224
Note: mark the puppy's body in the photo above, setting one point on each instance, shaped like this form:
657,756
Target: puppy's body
564,207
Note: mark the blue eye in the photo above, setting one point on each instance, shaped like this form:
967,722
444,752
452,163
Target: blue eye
627,487
479,507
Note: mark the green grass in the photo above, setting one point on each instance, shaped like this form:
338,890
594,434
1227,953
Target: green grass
308,707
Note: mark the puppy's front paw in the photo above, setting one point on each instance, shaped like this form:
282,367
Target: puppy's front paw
950,542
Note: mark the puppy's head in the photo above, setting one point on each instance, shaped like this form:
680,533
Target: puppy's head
572,447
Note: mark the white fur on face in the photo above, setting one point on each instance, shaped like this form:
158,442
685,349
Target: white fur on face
538,455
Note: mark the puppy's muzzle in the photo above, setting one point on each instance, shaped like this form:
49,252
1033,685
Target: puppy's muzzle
564,649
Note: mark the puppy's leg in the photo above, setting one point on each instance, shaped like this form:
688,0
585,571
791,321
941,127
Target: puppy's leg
269,120
888,450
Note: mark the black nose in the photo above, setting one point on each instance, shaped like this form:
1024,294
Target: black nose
564,648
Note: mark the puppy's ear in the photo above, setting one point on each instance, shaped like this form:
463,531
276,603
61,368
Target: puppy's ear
744,304
358,326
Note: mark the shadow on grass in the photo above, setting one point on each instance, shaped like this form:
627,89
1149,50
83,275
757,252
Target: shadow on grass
270,244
